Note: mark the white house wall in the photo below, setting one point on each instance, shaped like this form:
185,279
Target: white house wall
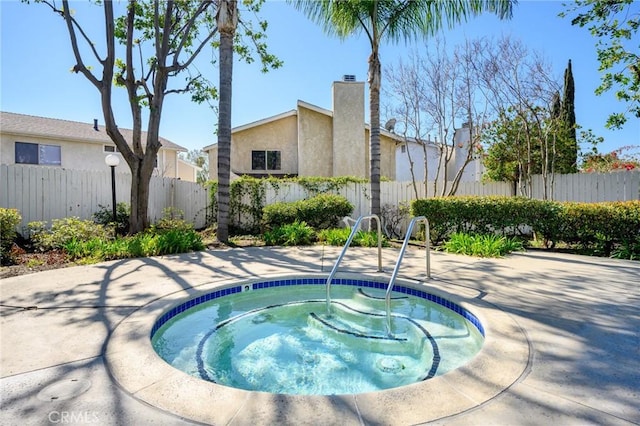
83,156
403,172
471,173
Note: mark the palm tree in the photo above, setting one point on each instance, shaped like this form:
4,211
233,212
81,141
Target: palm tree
227,20
391,20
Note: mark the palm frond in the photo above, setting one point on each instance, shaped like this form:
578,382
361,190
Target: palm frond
396,20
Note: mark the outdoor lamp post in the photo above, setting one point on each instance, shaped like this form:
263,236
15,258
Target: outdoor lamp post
112,161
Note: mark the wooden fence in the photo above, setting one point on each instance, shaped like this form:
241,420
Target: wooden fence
589,187
45,193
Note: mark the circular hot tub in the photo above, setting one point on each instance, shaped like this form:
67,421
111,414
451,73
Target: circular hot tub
428,318
277,336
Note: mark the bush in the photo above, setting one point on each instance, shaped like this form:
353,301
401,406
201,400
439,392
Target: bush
320,212
604,228
293,234
600,226
9,220
104,216
64,231
481,245
172,220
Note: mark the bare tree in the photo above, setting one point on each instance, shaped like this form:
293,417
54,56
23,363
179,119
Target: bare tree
406,93
521,87
437,91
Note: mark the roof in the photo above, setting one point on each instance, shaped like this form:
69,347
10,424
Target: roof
280,116
294,112
29,125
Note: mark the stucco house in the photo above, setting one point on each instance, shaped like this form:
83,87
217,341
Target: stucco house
27,139
310,141
472,172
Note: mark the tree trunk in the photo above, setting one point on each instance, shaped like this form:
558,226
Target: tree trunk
375,75
227,23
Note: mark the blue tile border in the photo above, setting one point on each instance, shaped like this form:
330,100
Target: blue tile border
176,310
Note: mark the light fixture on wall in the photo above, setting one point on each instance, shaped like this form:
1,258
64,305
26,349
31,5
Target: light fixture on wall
112,161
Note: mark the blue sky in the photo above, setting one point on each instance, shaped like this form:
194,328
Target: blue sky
36,58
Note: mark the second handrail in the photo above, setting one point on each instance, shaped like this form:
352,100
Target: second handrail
400,256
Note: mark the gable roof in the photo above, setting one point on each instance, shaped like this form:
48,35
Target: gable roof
29,125
294,112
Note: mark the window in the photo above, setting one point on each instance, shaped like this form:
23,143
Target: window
403,149
33,153
111,148
265,160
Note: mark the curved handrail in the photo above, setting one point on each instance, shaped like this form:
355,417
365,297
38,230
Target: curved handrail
344,250
400,256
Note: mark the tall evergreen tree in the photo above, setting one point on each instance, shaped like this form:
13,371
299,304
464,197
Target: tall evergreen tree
570,160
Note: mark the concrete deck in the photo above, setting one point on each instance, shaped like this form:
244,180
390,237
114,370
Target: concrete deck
577,318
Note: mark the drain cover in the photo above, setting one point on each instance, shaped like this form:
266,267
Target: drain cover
64,389
389,365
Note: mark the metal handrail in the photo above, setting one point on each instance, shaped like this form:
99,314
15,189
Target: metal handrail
400,256
344,250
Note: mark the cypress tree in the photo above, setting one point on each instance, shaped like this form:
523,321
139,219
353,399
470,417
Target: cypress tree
570,153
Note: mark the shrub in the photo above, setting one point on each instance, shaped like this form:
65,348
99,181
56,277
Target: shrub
603,228
320,212
104,216
63,231
9,220
325,210
489,245
292,234
172,220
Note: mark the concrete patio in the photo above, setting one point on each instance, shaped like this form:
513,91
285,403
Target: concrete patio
580,318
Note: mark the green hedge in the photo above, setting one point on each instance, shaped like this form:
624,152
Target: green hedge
320,212
600,226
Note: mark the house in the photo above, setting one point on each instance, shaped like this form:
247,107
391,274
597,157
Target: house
310,141
26,139
416,150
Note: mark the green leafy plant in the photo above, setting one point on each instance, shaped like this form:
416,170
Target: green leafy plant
339,237
179,241
489,245
293,234
104,216
172,219
139,245
629,249
334,236
9,220
65,230
320,212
